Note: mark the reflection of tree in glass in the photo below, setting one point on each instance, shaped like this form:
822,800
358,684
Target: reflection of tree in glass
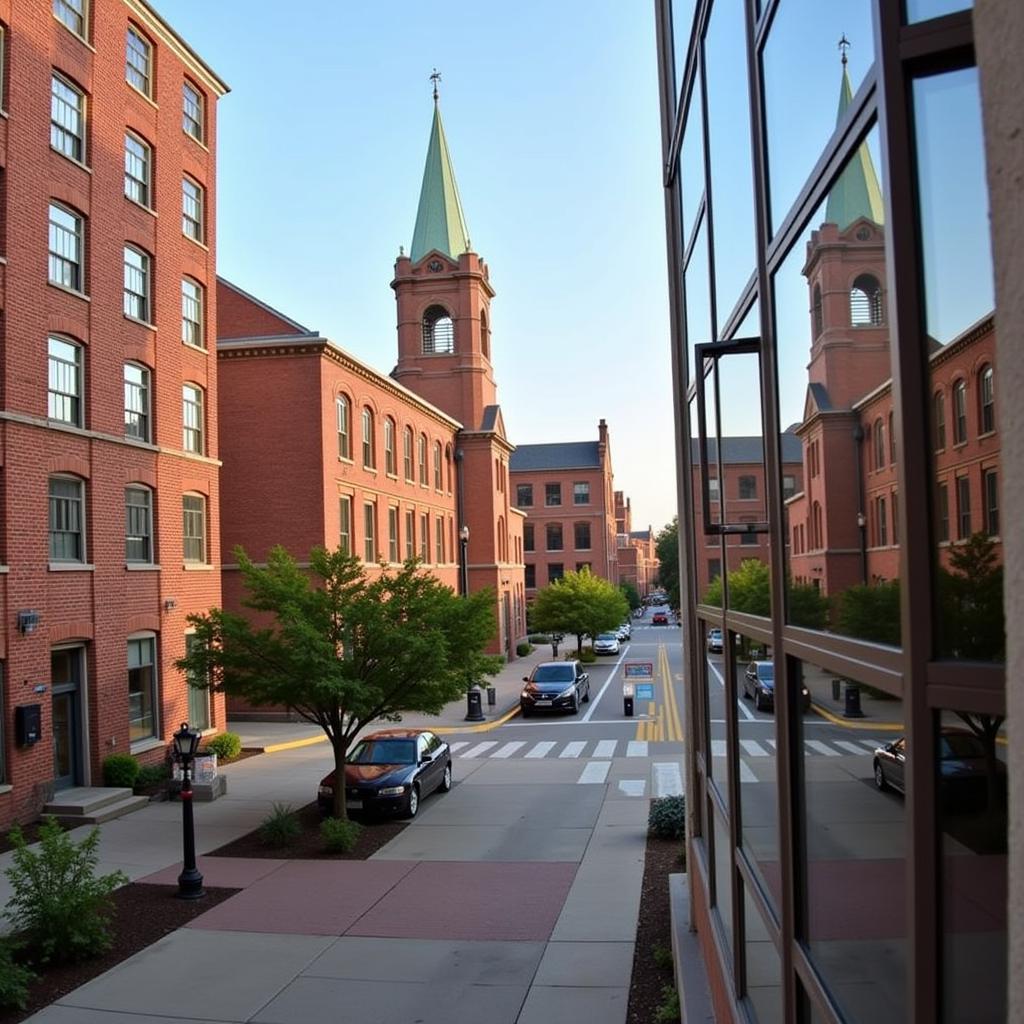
749,589
971,602
808,607
871,612
986,728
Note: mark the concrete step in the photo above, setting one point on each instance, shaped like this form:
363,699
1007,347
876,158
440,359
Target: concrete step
85,803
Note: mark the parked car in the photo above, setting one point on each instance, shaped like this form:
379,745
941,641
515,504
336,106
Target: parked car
558,685
659,619
606,643
390,772
624,632
759,683
715,641
963,768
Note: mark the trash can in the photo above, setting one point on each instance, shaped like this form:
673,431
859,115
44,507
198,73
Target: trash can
837,686
492,696
852,708
627,706
474,710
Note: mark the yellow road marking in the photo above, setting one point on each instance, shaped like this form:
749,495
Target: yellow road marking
847,724
484,727
675,726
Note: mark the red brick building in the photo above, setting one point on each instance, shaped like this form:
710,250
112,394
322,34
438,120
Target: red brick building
109,534
565,490
635,549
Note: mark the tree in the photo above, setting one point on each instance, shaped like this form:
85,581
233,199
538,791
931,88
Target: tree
871,612
343,650
971,602
631,594
807,606
667,550
579,603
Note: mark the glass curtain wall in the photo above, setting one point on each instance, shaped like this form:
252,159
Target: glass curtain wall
838,427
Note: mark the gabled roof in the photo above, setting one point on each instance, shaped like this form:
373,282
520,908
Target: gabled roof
493,422
533,458
744,450
440,223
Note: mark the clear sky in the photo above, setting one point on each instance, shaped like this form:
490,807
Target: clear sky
551,114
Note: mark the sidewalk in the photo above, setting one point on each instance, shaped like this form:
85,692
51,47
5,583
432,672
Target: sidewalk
877,713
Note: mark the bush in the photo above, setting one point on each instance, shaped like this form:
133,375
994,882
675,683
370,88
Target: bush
58,904
668,1011
152,775
523,649
227,746
587,656
280,827
662,957
14,977
539,638
340,834
667,817
120,770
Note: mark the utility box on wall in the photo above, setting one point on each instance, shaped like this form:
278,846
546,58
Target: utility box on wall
28,724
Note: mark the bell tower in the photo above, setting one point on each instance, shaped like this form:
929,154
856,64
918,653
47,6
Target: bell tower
443,293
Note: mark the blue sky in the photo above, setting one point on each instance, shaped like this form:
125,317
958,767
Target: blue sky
551,113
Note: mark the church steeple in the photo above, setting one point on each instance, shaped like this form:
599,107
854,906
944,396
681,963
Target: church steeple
856,194
440,223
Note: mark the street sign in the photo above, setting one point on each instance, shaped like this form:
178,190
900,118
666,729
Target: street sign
645,691
638,669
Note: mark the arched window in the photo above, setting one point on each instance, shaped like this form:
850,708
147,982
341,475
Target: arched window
892,442
438,478
448,466
878,434
939,414
438,332
866,302
818,321
959,412
987,400
369,450
421,458
390,455
485,341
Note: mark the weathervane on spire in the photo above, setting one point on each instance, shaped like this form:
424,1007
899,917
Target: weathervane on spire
436,77
844,45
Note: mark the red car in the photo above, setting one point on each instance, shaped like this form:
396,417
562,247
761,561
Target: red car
659,619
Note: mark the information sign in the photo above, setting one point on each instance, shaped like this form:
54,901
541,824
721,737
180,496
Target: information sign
638,669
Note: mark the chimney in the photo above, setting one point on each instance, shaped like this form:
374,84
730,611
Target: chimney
602,432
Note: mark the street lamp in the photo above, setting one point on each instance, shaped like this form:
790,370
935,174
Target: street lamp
463,567
190,881
862,523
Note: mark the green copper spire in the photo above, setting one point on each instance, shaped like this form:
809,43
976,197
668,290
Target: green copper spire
439,221
856,193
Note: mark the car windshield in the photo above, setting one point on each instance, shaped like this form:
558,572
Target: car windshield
766,671
387,751
960,744
605,636
554,674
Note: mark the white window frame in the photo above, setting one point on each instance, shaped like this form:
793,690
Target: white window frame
421,459
66,249
390,457
370,532
64,382
425,536
138,523
193,508
438,474
193,418
73,15
138,72
581,490
138,170
407,464
193,208
193,110
72,509
199,714
345,524
368,446
393,533
137,285
342,412
439,540
67,118
135,739
410,533
193,305
137,394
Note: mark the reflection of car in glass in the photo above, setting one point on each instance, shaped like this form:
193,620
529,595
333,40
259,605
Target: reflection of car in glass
559,685
389,772
715,641
606,643
759,683
963,769
659,619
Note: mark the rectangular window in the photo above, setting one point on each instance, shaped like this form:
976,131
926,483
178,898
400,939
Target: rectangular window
138,525
553,533
392,534
198,697
192,418
390,455
136,284
881,523
137,61
67,520
425,537
582,536
345,524
67,118
194,528
369,532
64,382
986,392
407,454
72,14
421,458
369,455
990,479
895,518
527,536
942,514
555,571
66,231
192,201
410,534
142,700
552,495
438,475
580,493
191,312
959,413
788,487
136,402
192,111
530,575
439,540
749,539
137,173
963,507
524,495
714,568
939,405
748,488
713,492
344,434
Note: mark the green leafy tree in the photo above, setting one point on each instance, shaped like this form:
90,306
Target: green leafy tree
871,612
631,594
343,650
808,607
666,547
971,602
750,588
579,603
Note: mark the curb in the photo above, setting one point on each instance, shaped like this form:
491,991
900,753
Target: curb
847,724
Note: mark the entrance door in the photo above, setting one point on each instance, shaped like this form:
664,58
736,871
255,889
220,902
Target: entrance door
66,675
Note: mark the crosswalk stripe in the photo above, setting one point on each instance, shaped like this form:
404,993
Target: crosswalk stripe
849,747
821,748
508,749
479,749
594,772
718,748
668,779
540,749
753,748
872,745
636,748
573,749
606,748
746,775
455,747
633,787
771,743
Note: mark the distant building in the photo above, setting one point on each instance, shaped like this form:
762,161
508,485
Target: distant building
635,549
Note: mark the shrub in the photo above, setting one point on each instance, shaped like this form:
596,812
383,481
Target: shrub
58,904
587,656
539,638
120,770
14,977
226,746
667,817
668,1011
523,649
152,775
662,956
340,834
280,827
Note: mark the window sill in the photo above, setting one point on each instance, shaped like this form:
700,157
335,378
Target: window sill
195,348
987,433
67,28
69,291
136,320
198,567
392,476
196,241
141,746
199,142
138,92
346,460
71,567
4,568
71,160
141,206
141,567
370,469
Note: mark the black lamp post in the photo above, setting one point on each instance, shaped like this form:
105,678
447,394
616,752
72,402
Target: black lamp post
463,566
190,881
862,524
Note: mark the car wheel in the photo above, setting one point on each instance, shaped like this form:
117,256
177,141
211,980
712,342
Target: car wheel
758,703
413,802
525,712
575,706
586,695
880,777
446,779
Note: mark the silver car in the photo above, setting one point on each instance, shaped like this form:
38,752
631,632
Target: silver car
606,643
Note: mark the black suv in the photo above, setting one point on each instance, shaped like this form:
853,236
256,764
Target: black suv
559,685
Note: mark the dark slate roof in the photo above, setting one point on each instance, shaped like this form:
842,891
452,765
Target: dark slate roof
821,399
533,458
740,450
640,535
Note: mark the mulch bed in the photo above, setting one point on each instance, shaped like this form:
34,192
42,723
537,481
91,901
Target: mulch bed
652,973
143,914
